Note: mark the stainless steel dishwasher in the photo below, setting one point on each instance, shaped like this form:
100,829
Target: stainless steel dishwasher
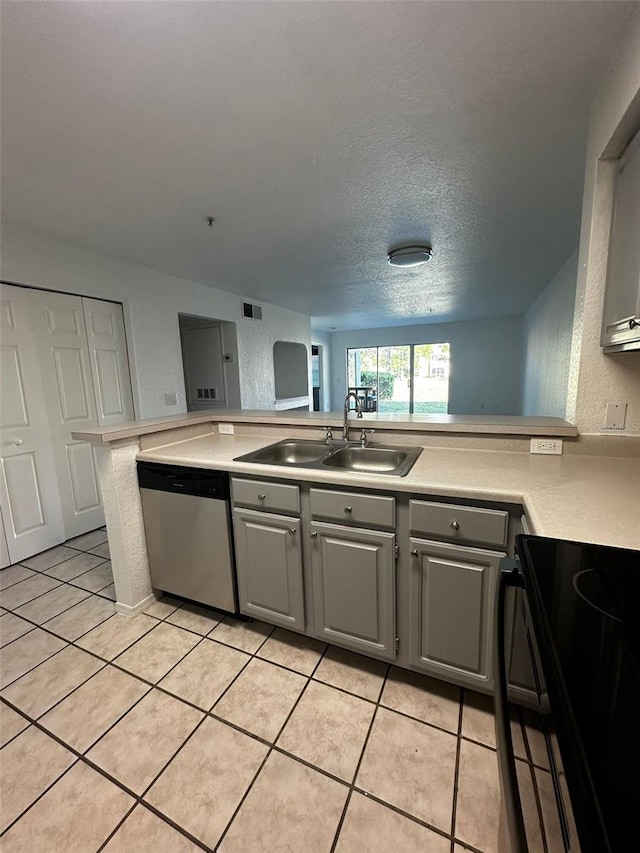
188,530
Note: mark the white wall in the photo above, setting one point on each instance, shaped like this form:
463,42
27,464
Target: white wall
548,327
595,378
486,361
152,302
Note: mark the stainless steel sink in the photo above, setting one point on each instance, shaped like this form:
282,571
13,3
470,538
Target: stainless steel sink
374,460
291,452
370,459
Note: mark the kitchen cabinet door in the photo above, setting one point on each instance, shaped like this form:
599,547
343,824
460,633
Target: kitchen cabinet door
269,567
354,588
452,605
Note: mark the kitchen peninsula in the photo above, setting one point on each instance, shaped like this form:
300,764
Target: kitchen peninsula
590,493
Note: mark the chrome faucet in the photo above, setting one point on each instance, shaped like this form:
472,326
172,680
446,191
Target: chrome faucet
345,426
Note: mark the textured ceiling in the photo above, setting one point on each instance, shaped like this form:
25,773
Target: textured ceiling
318,134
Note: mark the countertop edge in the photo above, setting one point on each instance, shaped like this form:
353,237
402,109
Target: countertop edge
491,425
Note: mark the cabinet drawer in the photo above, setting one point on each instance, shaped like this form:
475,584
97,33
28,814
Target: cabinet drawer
262,494
460,523
354,508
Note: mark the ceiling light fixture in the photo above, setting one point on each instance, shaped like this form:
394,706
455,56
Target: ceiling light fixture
409,256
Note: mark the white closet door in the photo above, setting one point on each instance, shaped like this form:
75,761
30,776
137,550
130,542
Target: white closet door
5,559
109,361
63,352
28,489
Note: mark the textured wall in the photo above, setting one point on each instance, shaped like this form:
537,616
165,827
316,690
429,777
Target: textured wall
548,328
123,513
152,302
486,361
596,378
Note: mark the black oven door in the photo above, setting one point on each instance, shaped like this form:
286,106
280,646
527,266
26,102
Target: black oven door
512,830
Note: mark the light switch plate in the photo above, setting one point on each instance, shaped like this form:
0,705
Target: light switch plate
615,416
171,398
225,429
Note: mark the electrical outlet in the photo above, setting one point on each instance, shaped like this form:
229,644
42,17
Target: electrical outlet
550,446
225,429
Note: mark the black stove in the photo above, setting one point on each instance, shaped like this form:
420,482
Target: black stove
584,605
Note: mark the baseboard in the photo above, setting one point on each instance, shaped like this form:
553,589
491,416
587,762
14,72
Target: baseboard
128,610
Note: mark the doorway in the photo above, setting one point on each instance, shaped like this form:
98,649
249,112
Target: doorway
210,363
406,379
316,376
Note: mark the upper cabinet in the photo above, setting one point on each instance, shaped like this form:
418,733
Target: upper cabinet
621,321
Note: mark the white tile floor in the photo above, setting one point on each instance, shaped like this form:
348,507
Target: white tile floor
182,731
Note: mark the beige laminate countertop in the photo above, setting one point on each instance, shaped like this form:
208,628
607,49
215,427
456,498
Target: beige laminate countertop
583,498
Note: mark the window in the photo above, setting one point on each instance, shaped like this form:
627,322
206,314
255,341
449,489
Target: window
409,379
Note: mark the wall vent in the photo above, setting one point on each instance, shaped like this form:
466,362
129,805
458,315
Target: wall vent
252,311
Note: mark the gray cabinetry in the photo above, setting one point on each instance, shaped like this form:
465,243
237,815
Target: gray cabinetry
354,588
452,590
269,567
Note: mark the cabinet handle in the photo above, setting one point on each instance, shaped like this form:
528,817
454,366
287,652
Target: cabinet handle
348,509
313,533
455,525
634,323
262,497
292,531
414,552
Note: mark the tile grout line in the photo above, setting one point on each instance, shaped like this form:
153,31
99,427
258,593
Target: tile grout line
360,759
71,643
534,781
39,797
82,757
210,712
227,722
456,772
271,745
50,619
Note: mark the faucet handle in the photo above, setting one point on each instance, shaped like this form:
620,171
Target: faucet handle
363,435
328,430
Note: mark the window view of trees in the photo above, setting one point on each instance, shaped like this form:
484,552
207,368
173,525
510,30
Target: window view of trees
412,379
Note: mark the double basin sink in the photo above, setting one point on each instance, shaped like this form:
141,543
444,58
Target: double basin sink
303,453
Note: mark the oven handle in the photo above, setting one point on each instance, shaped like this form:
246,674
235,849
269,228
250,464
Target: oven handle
509,575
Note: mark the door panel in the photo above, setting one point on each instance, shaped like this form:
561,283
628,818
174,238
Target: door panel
70,384
110,396
354,588
109,361
5,559
452,586
14,403
84,482
462,583
28,485
61,318
63,354
25,503
269,566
